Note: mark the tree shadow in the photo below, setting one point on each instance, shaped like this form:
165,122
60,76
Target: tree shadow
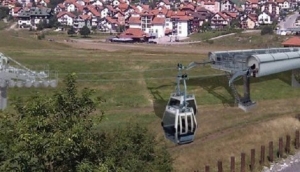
159,103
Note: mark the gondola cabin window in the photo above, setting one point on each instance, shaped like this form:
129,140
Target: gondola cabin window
174,102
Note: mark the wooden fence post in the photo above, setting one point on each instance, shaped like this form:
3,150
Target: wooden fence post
232,164
243,162
271,151
262,154
297,139
252,166
206,168
220,167
288,144
280,151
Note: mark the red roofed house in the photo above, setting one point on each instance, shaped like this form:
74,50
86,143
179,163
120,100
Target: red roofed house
181,24
136,34
292,42
283,4
65,18
211,5
227,5
249,22
82,20
219,21
250,5
91,11
15,11
134,21
270,7
164,3
158,25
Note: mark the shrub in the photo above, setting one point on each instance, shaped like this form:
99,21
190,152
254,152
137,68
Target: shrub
267,30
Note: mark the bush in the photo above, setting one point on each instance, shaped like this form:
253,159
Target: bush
267,30
56,133
209,41
41,36
85,31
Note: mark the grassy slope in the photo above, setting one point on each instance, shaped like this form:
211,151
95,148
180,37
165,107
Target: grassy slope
143,99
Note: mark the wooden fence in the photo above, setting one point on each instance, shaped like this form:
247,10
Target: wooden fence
284,148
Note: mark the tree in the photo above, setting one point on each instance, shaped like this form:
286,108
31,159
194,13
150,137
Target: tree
56,133
85,31
54,3
4,12
71,31
53,22
40,26
267,30
235,23
205,26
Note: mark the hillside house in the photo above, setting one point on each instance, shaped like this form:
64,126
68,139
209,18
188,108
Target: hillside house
211,5
219,21
182,25
250,5
265,18
30,17
227,5
82,20
283,4
248,22
66,18
271,7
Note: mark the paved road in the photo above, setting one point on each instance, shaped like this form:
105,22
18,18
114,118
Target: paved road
289,21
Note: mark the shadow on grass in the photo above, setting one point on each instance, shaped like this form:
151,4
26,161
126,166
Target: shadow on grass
210,84
159,103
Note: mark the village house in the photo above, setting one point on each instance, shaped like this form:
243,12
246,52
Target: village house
81,21
283,4
65,18
200,16
161,19
227,5
265,18
219,21
297,21
271,7
31,17
248,21
292,42
250,6
211,5
182,24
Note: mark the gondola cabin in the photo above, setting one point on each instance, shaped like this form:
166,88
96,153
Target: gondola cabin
179,122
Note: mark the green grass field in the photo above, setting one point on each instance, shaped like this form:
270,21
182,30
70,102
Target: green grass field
136,84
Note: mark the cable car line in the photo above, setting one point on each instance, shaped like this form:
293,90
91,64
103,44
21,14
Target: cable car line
125,71
139,79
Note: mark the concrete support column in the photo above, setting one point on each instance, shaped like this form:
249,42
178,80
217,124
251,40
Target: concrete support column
246,80
3,97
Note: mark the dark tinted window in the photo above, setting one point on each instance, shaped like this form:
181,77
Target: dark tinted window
174,102
191,103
